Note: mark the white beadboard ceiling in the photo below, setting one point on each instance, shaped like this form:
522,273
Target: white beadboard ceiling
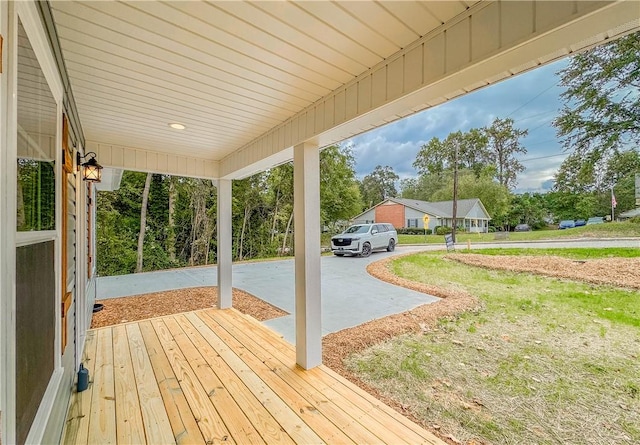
228,70
251,79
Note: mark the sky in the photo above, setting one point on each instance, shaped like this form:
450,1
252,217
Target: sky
531,99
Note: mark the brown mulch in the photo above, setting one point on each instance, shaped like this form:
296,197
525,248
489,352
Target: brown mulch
621,272
157,304
338,345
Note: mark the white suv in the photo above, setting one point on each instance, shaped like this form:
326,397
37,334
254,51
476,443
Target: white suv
362,239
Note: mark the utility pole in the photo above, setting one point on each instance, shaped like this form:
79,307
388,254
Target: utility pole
613,205
455,193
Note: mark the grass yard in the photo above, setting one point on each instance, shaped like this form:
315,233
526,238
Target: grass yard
609,230
545,361
579,253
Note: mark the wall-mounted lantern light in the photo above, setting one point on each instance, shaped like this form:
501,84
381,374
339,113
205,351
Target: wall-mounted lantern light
91,170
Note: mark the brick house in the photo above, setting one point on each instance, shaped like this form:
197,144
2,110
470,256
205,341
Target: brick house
404,213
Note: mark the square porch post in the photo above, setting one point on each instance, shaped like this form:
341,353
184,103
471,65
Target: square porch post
224,244
306,203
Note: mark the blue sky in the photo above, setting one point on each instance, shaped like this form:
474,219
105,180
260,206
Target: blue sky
531,99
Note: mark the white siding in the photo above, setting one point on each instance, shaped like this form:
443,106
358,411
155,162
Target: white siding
366,217
476,212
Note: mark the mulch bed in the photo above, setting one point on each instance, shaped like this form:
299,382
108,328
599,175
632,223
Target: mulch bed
620,272
157,304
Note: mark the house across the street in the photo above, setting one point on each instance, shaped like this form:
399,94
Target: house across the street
404,213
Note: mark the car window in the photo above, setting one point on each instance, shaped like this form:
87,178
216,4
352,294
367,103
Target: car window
381,228
390,228
357,229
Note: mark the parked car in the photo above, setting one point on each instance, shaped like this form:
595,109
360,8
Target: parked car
566,224
362,239
522,228
595,220
580,223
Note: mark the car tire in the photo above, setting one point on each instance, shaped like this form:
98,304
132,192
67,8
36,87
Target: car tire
392,245
366,250
339,254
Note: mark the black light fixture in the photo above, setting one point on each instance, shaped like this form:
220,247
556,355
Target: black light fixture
91,170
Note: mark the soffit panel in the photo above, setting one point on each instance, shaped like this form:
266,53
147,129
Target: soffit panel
229,71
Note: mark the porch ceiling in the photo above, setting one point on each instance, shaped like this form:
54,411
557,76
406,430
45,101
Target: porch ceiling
229,71
252,79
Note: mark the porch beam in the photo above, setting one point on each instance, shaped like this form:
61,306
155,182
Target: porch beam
224,243
148,161
458,57
306,213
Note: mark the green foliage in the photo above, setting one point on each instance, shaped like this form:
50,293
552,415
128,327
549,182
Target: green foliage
441,230
480,150
579,253
378,185
504,144
36,195
495,197
261,222
437,156
340,197
413,231
118,224
601,114
608,230
424,186
528,209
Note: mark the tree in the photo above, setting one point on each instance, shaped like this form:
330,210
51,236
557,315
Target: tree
503,144
437,156
528,209
424,186
143,222
171,225
340,197
601,113
495,197
379,185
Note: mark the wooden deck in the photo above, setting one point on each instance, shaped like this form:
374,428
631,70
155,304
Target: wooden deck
215,376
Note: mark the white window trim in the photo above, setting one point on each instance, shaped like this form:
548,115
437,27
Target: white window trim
28,238
29,16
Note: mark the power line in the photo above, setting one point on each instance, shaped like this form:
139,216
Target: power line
543,157
532,99
541,142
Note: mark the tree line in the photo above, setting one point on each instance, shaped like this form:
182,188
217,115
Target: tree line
158,221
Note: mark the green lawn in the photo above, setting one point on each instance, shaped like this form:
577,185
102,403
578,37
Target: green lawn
609,230
544,361
579,253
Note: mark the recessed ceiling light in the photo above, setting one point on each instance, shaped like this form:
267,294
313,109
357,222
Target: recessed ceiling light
177,126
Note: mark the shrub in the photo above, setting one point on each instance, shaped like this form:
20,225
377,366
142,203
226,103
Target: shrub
441,230
412,231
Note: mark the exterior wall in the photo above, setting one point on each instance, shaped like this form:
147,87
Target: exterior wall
52,409
476,212
390,212
366,217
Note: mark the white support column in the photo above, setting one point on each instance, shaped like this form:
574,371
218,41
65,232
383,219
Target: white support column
306,202
224,244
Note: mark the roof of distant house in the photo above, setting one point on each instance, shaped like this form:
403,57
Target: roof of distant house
439,209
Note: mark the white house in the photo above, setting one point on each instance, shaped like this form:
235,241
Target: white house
470,214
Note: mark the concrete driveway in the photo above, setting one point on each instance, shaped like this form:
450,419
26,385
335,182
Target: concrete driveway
350,296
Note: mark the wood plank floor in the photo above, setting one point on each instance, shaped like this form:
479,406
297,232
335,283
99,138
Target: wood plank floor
217,376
